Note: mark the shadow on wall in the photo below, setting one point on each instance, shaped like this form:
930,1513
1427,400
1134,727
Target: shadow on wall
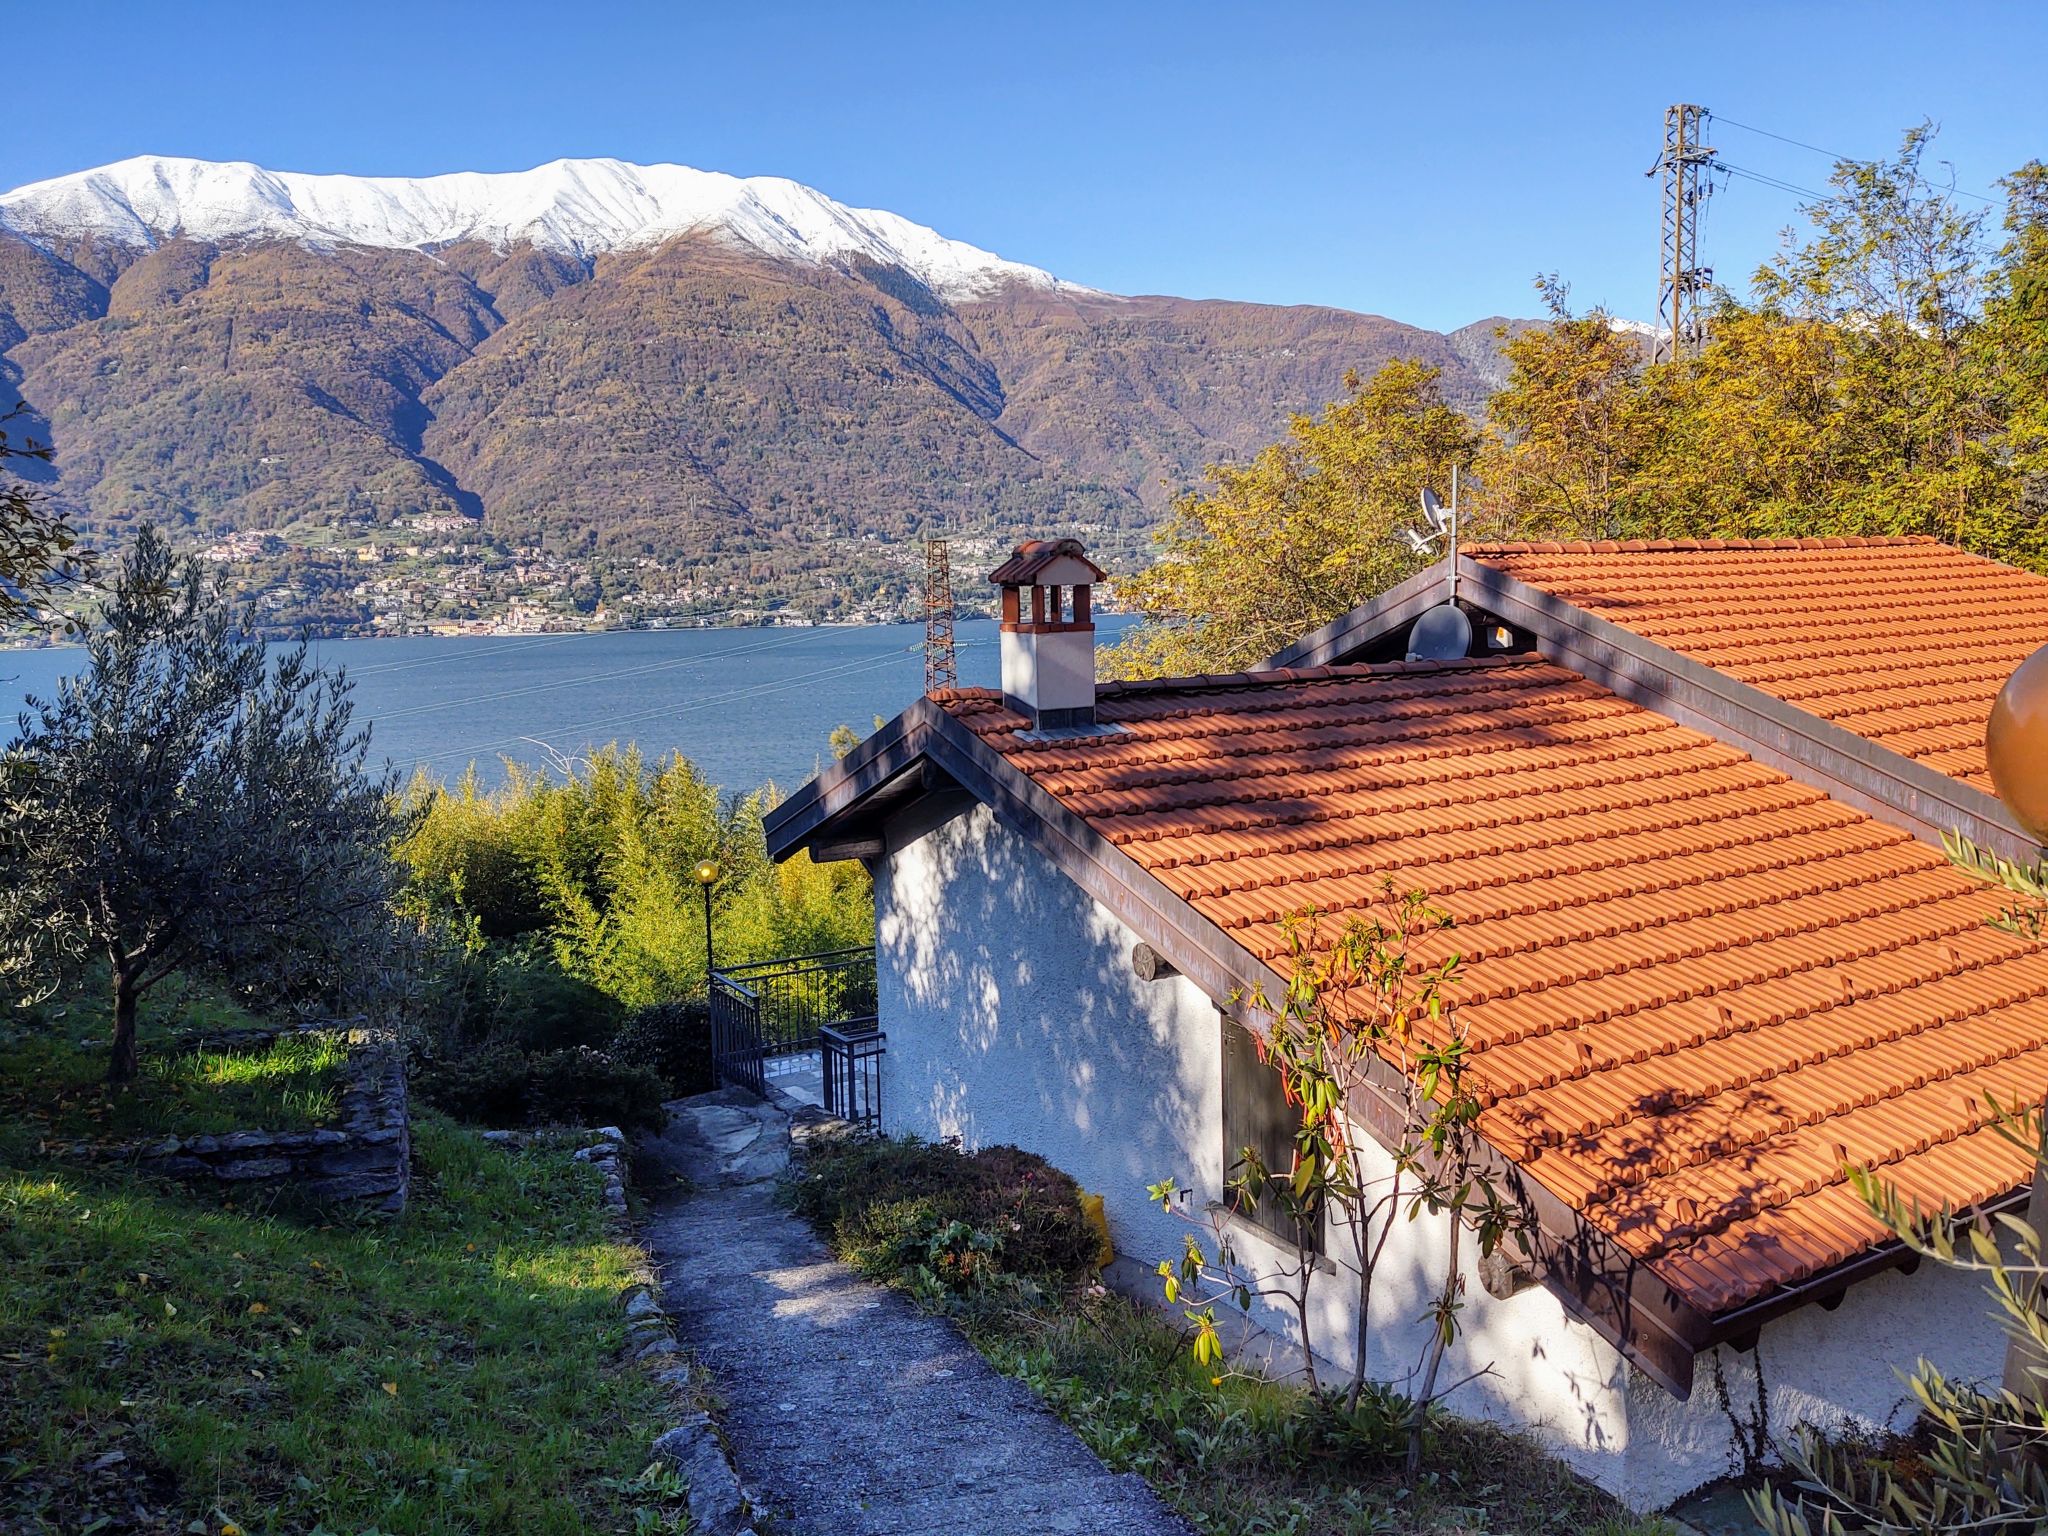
1018,1019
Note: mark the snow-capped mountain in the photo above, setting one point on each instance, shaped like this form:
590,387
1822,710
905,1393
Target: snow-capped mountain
570,207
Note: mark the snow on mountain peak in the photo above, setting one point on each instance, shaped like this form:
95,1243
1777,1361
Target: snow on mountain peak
577,207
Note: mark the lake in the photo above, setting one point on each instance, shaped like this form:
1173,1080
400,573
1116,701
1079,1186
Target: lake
746,705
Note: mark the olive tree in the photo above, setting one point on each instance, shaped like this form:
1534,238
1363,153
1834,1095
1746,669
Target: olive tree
187,804
39,553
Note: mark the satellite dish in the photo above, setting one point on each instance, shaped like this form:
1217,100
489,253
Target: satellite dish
1442,633
1434,510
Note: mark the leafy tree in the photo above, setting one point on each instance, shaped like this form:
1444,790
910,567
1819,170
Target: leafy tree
1568,434
2014,340
1270,549
39,552
186,805
1888,374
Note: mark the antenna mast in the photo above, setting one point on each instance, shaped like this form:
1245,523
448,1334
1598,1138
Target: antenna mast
1687,167
939,670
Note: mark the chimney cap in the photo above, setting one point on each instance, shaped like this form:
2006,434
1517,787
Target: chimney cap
1047,563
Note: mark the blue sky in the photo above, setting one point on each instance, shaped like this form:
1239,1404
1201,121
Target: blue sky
1421,161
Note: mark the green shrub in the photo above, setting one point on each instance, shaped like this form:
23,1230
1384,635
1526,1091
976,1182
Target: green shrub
675,1040
537,1008
909,1209
581,1086
484,1085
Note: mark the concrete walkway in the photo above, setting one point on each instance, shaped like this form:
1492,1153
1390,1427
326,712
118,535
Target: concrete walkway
849,1411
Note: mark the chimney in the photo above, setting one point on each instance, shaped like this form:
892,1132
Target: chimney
1048,633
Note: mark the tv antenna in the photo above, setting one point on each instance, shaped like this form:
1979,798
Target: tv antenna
1443,529
1442,633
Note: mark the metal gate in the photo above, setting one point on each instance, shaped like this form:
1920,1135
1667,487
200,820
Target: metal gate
777,1008
738,1050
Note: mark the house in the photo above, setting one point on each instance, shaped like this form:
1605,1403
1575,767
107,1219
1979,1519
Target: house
1685,803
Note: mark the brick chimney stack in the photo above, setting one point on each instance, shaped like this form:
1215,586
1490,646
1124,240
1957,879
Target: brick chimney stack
1048,632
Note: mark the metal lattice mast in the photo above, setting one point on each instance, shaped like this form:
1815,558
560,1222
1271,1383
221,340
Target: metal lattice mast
939,670
1687,166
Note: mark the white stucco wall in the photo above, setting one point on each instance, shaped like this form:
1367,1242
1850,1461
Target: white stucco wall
1013,1015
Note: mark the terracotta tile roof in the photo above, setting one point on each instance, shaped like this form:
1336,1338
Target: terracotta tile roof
1903,641
1694,988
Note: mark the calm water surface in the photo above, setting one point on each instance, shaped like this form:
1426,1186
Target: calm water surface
746,705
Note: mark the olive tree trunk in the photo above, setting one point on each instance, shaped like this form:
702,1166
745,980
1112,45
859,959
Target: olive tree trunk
122,1063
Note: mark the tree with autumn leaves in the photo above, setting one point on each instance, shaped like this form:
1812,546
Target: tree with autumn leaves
1886,374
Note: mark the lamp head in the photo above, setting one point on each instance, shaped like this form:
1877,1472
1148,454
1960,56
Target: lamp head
707,873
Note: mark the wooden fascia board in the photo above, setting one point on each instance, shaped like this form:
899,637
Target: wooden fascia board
1399,604
1595,1279
885,756
1851,768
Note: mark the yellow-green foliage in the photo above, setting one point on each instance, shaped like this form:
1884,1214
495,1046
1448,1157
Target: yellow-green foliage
600,865
1270,549
1886,375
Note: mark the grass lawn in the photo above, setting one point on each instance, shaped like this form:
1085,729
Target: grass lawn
1242,1456
451,1371
1235,1453
169,1362
53,1067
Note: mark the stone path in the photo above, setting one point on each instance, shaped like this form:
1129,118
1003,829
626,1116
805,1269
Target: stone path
849,1411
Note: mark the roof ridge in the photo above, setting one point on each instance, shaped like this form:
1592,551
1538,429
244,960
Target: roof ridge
1696,546
1212,682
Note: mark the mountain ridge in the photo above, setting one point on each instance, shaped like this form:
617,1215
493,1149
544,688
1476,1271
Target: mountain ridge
672,427
572,207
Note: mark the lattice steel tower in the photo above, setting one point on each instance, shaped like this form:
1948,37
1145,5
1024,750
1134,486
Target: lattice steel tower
939,671
1687,166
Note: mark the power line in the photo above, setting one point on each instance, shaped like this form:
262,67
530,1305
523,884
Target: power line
1770,181
1838,158
524,642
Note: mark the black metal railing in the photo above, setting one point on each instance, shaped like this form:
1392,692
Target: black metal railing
738,1058
851,1054
781,1007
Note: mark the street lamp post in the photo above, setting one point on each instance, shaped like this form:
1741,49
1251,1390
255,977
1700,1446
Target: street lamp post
707,876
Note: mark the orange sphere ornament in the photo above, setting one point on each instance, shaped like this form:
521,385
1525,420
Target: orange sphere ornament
2016,742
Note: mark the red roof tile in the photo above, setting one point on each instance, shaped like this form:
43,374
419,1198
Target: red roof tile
1695,990
1903,641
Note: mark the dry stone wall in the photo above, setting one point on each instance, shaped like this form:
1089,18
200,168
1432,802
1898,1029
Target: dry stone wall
365,1159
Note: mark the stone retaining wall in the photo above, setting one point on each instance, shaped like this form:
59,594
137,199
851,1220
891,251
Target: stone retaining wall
366,1158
